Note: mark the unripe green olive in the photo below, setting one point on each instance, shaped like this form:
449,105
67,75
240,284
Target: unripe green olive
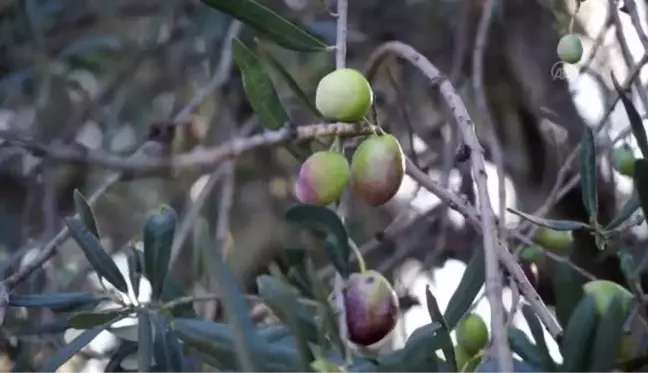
559,242
322,178
570,48
623,160
472,333
604,292
343,95
465,362
628,349
371,307
377,169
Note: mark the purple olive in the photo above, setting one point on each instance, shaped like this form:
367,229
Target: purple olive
377,169
322,178
531,272
371,307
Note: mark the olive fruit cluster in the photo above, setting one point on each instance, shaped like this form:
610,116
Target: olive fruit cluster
377,167
472,337
372,307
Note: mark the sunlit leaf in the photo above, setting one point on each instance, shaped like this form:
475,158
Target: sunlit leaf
294,86
259,88
262,95
90,319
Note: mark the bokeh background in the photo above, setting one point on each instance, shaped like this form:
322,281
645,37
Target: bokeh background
99,73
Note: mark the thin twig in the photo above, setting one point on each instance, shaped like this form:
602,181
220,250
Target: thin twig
494,281
625,51
192,214
487,218
206,158
560,188
340,63
49,249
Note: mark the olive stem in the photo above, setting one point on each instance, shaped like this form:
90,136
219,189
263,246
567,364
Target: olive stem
356,251
340,63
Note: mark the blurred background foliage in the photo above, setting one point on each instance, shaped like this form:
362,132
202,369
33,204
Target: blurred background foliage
100,73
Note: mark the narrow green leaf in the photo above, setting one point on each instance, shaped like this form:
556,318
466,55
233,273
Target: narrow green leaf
490,365
84,210
558,225
166,347
90,319
259,88
262,95
294,86
282,302
159,230
635,119
57,300
628,208
269,24
72,348
641,183
329,316
274,333
521,345
537,332
337,238
212,339
125,349
173,290
96,255
135,268
577,341
281,299
469,286
237,312
608,338
144,341
419,353
568,288
588,173
436,316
